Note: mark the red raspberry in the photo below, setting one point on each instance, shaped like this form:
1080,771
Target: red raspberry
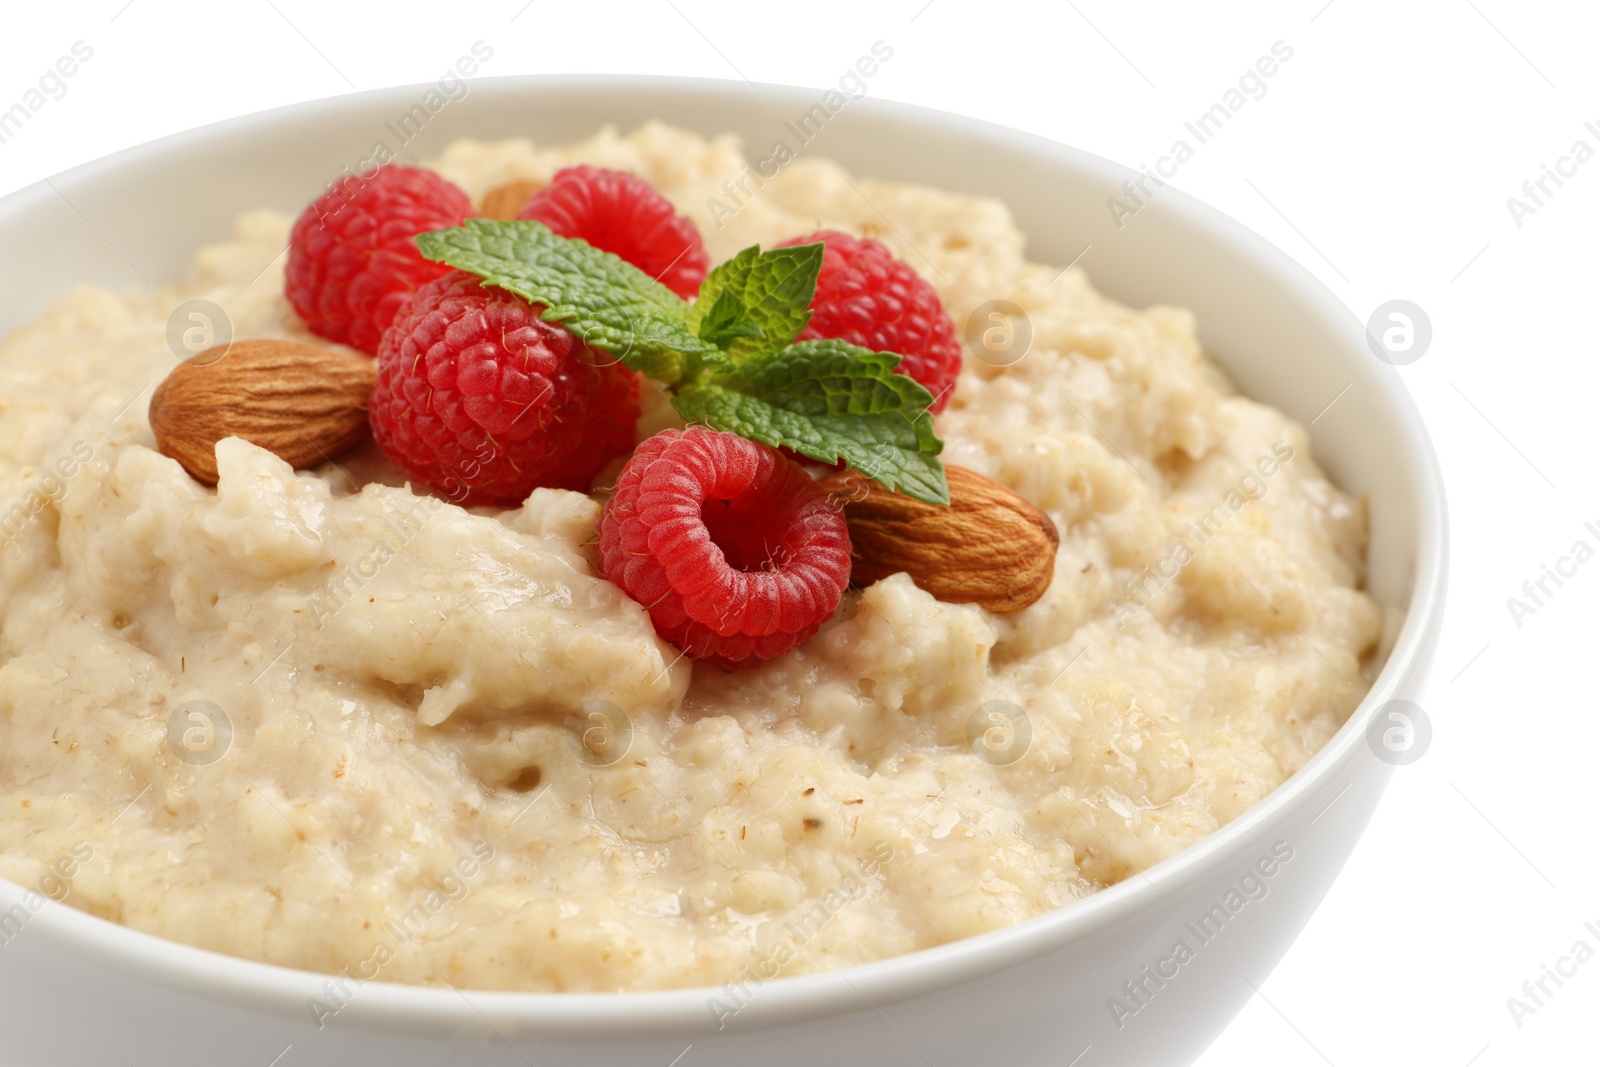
624,215
868,297
738,553
485,402
352,261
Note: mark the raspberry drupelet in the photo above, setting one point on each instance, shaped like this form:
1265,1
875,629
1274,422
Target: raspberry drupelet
353,262
482,400
737,553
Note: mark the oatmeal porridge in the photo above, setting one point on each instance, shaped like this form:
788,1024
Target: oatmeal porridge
397,689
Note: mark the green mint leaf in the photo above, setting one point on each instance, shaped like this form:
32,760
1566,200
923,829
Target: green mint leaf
830,400
727,321
602,299
770,291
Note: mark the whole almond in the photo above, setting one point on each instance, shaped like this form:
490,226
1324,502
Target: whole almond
989,547
304,402
505,202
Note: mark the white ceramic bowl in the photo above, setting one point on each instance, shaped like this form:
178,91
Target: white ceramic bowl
76,990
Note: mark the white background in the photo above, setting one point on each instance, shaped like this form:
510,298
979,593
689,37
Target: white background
1381,157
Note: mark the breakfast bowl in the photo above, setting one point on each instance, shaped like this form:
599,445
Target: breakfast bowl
1147,970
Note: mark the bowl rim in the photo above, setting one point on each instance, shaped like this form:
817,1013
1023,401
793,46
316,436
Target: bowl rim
265,986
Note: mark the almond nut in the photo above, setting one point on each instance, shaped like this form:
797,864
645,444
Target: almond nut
989,547
505,202
304,402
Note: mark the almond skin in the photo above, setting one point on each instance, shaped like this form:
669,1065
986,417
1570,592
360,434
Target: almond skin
990,547
505,202
307,403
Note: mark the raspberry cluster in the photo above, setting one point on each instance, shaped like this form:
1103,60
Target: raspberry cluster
352,261
480,398
736,552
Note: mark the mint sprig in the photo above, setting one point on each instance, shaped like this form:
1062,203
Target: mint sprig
731,356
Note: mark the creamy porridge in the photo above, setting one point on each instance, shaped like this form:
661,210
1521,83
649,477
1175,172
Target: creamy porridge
394,688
